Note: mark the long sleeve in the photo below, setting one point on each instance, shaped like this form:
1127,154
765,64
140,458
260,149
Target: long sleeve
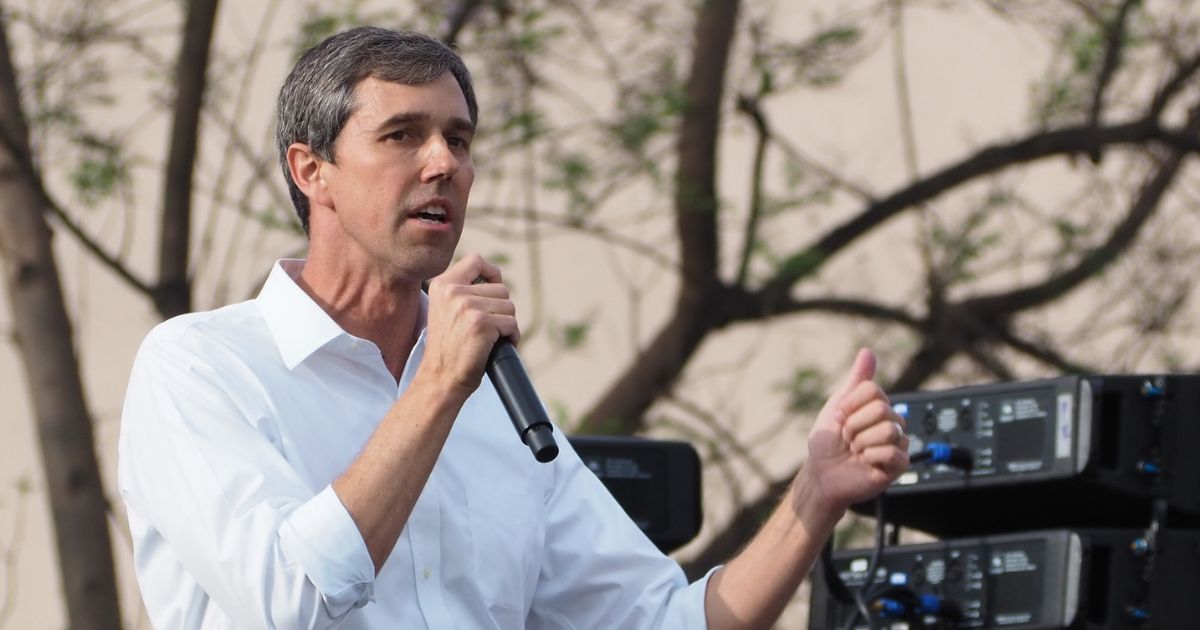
208,488
600,570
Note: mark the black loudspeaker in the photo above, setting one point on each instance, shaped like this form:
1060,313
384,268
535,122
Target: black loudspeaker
1091,451
657,482
1079,579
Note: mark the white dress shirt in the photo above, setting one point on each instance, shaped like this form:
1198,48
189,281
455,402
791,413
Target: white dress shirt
237,421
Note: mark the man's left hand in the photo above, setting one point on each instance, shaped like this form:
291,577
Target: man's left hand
857,445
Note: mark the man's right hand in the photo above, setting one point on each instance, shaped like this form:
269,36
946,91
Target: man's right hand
465,320
382,485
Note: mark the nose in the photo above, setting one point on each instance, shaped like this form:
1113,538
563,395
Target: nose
440,160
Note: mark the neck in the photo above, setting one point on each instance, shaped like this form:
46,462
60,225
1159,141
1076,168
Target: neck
366,304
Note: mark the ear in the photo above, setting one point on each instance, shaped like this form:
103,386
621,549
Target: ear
308,171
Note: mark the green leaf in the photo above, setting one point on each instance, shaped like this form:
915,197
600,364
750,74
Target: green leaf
560,413
802,263
572,173
575,335
100,170
821,60
635,129
320,23
526,125
805,391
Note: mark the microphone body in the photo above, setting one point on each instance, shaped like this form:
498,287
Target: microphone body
524,408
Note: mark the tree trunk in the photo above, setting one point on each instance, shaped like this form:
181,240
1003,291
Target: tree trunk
45,344
659,365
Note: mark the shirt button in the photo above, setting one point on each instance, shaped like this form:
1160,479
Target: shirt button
427,572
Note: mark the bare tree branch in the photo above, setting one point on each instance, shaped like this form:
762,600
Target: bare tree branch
741,527
23,160
722,436
95,249
749,105
992,159
1043,353
985,359
1115,43
621,407
695,184
8,555
903,99
456,20
1183,73
241,100
485,214
174,292
739,306
1098,259
836,180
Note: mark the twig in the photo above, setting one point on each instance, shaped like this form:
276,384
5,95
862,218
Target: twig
457,17
749,105
8,557
1115,36
241,102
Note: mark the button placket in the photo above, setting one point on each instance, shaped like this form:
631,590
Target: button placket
425,527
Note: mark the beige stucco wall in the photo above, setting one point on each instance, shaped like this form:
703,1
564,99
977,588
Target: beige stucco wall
969,74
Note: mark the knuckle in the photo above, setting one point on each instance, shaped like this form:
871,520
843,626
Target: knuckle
476,318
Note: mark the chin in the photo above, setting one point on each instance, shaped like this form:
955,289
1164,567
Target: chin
430,264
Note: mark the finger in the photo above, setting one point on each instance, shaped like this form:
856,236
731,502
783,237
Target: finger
860,396
501,311
863,369
490,291
467,269
868,417
879,434
506,325
891,459
492,305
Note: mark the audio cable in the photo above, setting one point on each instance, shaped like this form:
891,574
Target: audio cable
903,602
942,453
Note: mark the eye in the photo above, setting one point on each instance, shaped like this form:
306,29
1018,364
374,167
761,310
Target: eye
400,135
458,142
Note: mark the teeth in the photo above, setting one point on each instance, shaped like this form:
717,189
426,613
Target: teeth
433,211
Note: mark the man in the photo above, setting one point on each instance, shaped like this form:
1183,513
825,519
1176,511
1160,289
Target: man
330,454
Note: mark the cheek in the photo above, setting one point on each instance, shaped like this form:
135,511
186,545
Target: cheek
464,178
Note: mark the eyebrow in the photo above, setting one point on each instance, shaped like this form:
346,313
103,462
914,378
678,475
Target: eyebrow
456,123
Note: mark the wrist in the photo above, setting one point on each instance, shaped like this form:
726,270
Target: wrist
439,388
812,507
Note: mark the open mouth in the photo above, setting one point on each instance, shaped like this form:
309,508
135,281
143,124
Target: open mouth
431,214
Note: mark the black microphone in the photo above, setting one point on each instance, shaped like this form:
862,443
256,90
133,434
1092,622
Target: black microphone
524,408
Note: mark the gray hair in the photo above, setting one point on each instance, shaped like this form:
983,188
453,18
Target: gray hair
317,98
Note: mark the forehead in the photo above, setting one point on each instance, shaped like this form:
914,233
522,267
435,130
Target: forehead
377,99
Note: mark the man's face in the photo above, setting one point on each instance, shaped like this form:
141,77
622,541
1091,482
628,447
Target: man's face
402,175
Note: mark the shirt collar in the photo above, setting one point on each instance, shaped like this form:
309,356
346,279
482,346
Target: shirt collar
300,327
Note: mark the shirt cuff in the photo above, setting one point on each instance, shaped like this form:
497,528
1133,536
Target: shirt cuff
321,537
686,609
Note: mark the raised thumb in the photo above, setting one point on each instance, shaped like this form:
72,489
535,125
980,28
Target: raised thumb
863,369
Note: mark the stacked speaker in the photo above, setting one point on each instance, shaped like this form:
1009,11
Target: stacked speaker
1061,503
